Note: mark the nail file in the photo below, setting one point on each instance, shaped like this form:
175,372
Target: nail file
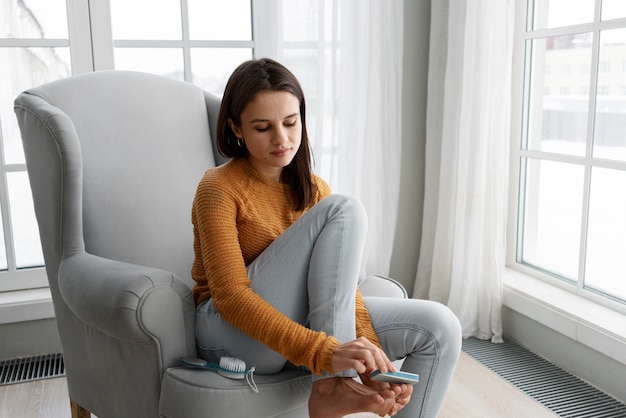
395,377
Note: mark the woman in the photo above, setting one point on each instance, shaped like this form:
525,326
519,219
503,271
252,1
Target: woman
277,259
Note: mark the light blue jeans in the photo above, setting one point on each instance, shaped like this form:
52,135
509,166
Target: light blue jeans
310,274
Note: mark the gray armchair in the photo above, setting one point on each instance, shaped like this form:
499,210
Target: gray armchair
114,159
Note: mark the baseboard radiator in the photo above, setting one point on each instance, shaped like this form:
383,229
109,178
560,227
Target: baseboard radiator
556,389
27,369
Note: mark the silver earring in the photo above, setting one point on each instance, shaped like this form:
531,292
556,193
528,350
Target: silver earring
240,142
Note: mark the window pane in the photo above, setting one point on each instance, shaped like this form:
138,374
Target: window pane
610,125
220,20
559,94
613,9
26,234
29,67
552,216
555,13
605,269
162,61
34,19
212,66
143,19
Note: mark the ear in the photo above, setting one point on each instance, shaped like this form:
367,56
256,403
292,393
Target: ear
235,128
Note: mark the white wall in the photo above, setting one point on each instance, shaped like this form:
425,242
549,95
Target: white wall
23,339
409,229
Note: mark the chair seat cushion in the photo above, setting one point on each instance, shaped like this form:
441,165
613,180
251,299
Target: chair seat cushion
190,393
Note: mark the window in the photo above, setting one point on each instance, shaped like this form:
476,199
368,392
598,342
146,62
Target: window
571,212
199,41
34,38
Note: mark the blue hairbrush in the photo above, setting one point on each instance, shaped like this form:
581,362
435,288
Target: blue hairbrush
230,367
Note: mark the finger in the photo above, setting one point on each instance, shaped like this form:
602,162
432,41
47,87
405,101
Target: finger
373,357
407,391
352,363
360,366
403,391
382,361
361,355
405,397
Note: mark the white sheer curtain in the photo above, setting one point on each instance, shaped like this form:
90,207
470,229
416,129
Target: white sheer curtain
462,256
348,56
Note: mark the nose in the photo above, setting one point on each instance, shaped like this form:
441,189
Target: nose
281,136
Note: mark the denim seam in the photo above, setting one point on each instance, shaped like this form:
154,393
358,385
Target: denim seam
339,263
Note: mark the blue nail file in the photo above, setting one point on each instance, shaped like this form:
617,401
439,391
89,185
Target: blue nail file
395,377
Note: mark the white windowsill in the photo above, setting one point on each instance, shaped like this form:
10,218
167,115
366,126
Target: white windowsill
25,305
582,320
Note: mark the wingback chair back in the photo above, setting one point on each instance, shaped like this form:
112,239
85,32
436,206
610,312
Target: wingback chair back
114,159
142,143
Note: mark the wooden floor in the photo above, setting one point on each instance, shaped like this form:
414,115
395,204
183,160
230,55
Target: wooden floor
475,392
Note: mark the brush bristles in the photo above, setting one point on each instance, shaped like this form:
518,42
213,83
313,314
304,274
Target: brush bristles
232,368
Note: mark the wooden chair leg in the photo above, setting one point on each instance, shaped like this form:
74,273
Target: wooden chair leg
78,411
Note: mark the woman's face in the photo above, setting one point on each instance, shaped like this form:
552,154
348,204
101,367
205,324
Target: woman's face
271,128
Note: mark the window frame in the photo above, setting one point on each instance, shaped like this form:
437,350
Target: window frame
520,93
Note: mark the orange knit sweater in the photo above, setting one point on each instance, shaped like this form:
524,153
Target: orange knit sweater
237,212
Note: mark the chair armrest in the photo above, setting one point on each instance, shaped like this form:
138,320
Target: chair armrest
375,285
133,303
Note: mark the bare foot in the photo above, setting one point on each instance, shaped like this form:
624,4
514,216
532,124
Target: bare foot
340,396
403,392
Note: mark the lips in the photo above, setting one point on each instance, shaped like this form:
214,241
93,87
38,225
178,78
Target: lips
281,152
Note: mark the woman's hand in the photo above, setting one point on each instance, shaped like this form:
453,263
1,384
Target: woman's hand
361,355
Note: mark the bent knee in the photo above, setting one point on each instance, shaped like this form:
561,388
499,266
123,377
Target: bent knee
449,328
351,206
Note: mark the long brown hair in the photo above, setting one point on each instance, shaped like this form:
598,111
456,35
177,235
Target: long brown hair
247,80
